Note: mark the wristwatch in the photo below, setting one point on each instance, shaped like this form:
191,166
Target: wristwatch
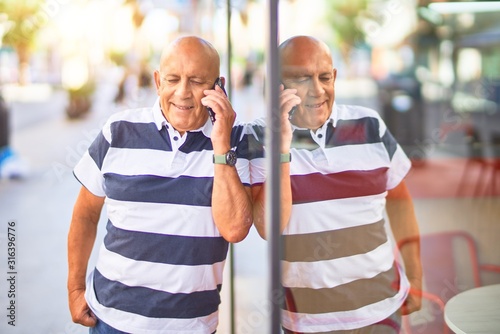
285,157
226,159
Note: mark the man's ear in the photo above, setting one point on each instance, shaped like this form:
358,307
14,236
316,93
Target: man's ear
157,78
223,80
334,74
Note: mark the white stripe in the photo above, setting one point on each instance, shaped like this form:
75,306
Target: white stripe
134,323
339,159
162,218
243,169
364,316
400,166
126,161
335,214
87,172
258,170
362,157
368,265
159,276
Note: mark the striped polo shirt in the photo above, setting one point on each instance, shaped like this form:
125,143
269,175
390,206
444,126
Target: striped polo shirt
339,267
160,266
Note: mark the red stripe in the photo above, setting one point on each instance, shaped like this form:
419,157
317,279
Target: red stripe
322,187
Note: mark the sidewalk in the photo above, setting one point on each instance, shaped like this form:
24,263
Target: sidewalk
41,206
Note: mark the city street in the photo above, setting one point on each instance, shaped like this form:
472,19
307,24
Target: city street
40,208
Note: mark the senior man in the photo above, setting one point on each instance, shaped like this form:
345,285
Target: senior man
341,168
174,183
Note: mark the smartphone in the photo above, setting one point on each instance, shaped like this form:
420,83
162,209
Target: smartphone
292,111
211,113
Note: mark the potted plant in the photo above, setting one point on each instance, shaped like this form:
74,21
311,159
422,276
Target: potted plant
80,100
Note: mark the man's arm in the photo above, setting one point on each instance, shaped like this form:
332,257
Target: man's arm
231,204
288,100
406,233
258,197
81,237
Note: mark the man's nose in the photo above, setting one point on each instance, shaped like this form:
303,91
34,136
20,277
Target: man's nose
315,87
183,89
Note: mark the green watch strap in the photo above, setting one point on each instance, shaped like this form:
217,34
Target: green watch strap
285,157
228,159
220,159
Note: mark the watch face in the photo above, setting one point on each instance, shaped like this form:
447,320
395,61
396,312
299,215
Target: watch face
231,158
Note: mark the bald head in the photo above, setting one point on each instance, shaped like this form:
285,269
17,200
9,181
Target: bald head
299,48
195,48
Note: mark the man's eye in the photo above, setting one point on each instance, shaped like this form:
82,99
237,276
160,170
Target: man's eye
196,82
301,79
326,79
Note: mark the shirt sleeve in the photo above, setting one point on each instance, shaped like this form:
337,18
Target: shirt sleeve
88,171
399,163
240,142
255,132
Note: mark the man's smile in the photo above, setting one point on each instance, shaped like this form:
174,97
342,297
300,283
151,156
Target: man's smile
315,106
181,107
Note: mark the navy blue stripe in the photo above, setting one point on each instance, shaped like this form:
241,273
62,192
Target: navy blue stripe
390,143
302,139
239,140
164,248
155,189
347,132
254,149
353,132
196,142
259,131
322,187
244,145
237,134
153,303
98,149
139,135
255,142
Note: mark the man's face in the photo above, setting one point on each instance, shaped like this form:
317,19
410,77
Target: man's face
180,83
313,75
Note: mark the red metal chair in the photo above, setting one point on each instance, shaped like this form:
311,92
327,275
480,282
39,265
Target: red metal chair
450,265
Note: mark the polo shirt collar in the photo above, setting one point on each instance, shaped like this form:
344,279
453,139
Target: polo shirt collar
158,117
160,121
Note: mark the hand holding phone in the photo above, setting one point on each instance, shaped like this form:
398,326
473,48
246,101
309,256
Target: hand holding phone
211,113
292,111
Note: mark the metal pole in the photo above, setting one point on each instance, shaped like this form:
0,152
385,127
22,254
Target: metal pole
232,308
272,142
229,52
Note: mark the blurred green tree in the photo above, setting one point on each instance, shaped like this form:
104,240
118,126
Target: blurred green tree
26,18
343,17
